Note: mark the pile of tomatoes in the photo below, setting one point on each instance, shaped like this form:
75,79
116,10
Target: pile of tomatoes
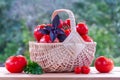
16,64
81,28
50,33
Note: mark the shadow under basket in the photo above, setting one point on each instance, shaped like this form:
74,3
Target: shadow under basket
63,57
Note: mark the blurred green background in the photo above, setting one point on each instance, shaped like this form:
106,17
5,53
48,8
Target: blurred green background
19,17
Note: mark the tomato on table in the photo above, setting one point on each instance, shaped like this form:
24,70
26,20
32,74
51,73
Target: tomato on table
16,64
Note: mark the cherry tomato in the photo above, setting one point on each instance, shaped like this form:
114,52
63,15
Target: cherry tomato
16,64
103,64
67,21
87,38
82,28
37,33
67,32
85,69
77,70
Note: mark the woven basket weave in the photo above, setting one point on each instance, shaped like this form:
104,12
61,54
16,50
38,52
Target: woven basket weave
63,57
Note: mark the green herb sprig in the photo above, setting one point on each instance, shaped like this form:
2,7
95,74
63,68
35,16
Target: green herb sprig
33,68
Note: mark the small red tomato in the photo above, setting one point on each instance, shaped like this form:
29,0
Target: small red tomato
85,69
77,70
87,38
103,64
45,39
61,24
67,32
67,21
16,64
37,33
82,28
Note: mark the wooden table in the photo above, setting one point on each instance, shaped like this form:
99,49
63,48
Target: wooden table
94,75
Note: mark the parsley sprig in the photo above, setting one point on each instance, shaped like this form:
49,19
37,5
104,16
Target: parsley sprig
33,68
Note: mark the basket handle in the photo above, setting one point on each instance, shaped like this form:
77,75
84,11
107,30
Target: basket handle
77,38
71,17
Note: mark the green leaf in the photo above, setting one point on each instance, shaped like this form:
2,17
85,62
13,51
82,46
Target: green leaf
33,68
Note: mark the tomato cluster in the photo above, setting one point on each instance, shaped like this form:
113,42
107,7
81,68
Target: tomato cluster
102,65
81,28
83,70
54,33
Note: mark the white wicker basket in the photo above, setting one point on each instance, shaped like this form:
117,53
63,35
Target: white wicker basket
63,57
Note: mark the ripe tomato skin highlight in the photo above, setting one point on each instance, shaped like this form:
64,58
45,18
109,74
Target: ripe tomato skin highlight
103,64
15,64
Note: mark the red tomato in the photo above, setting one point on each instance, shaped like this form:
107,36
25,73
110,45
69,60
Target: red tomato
85,69
77,70
67,32
67,21
16,64
87,38
37,33
82,28
45,39
103,64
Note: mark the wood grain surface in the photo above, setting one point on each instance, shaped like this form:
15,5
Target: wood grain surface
94,75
